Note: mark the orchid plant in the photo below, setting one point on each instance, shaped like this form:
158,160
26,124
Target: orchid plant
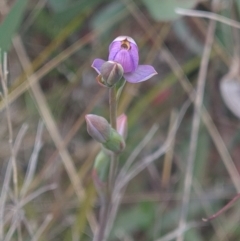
124,51
122,65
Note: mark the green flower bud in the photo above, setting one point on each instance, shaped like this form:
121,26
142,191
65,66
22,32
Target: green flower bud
111,73
115,143
98,128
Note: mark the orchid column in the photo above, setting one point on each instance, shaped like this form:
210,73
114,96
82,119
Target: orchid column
122,66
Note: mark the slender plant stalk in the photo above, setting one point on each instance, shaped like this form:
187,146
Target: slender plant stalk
3,77
113,107
195,127
106,200
103,220
225,208
113,122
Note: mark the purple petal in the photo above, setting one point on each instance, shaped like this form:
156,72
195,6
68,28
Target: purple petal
127,58
114,48
142,73
97,64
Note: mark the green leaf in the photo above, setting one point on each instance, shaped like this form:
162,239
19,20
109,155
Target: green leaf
164,10
11,24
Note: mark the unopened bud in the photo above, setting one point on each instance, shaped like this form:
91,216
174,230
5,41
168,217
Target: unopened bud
98,128
111,73
122,125
115,143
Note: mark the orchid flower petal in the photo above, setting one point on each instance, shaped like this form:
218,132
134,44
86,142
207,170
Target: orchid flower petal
142,73
97,64
126,56
114,48
127,61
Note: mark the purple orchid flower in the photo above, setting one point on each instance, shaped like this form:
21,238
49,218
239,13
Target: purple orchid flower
124,51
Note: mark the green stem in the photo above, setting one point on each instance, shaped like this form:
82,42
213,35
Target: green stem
113,107
106,204
103,219
113,122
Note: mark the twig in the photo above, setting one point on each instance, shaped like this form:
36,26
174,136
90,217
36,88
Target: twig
11,230
117,198
3,77
136,152
225,208
31,197
41,229
28,226
3,198
6,183
167,164
172,235
195,126
33,161
209,15
37,193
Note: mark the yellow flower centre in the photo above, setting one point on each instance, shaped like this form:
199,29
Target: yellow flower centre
125,44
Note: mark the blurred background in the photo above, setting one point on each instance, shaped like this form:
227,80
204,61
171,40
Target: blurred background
46,186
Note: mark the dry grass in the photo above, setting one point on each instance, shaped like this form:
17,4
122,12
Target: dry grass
47,87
